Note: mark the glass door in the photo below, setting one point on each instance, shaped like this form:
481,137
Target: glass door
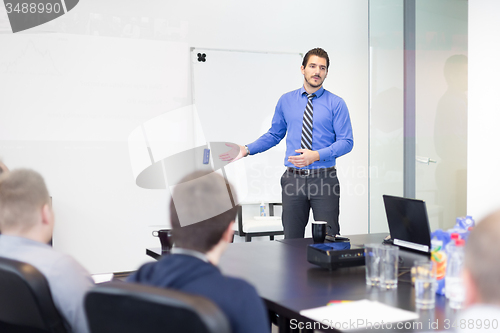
440,108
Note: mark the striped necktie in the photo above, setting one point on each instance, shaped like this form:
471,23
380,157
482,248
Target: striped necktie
307,124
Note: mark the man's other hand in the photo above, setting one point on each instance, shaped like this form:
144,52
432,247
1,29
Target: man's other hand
305,158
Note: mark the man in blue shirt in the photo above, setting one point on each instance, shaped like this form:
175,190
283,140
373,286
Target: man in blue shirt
318,129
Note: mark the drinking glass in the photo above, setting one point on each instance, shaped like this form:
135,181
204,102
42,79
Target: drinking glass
425,284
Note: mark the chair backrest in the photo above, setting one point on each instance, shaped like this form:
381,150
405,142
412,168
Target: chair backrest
25,299
127,307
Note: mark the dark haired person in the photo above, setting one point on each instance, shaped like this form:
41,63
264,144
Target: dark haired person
318,129
192,265
27,222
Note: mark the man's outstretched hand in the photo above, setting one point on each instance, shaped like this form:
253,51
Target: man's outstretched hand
234,154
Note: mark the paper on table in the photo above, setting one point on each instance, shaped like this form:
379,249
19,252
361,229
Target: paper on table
358,315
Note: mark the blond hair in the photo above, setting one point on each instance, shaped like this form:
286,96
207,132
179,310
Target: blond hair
481,257
22,194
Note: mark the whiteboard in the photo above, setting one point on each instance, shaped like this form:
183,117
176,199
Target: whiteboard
235,93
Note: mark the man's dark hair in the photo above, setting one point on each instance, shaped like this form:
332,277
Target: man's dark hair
200,194
317,52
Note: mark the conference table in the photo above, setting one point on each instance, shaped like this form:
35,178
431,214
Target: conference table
288,283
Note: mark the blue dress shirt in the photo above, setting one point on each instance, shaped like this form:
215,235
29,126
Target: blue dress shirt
332,131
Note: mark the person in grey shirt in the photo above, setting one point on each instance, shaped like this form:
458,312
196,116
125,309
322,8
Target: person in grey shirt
27,222
481,278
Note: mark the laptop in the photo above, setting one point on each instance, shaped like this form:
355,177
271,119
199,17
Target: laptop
408,223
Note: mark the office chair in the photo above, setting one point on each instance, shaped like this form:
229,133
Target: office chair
133,308
26,303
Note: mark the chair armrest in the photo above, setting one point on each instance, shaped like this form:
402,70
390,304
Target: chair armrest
240,221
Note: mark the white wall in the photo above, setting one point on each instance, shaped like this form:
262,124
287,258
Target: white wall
117,64
484,108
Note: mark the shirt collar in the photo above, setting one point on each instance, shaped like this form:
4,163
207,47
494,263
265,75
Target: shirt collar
188,252
21,240
318,93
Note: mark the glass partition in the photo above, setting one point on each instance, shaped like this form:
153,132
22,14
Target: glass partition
441,107
386,106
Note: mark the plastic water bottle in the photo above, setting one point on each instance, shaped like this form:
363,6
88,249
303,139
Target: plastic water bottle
459,222
262,209
455,290
449,249
451,244
456,230
466,235
469,222
439,256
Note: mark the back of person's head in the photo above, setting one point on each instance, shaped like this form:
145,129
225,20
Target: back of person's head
319,52
22,195
201,211
481,258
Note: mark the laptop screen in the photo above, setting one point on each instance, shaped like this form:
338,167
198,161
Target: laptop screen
408,223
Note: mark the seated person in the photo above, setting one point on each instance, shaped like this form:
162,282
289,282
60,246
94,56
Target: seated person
481,275
27,222
192,265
